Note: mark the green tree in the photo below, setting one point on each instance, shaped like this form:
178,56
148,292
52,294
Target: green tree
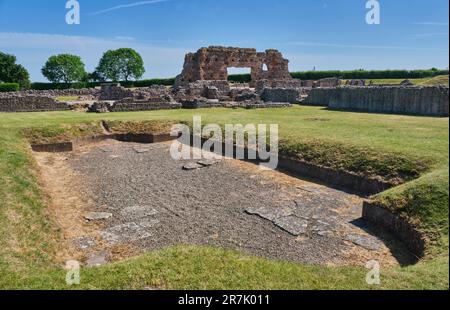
10,72
64,68
122,64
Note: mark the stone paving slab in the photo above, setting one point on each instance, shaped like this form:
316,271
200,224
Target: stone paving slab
125,233
192,166
137,212
365,242
292,225
97,216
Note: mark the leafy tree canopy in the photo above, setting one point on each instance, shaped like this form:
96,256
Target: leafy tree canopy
122,64
64,68
10,72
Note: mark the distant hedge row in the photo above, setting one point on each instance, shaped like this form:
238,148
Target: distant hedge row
367,75
246,78
6,87
142,83
354,74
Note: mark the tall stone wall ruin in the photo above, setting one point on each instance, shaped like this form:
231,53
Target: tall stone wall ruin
212,64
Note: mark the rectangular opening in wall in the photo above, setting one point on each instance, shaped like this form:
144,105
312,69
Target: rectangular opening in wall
239,75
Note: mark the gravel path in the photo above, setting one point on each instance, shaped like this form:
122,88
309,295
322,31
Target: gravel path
155,203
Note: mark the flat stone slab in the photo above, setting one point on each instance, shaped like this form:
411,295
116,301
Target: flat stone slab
97,216
137,212
125,233
192,166
320,225
97,259
365,242
270,213
141,150
207,162
292,224
282,217
84,243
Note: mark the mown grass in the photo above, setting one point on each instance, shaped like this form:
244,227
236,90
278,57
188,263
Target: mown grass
29,239
205,268
434,81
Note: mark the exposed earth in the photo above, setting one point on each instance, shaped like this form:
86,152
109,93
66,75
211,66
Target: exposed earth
114,200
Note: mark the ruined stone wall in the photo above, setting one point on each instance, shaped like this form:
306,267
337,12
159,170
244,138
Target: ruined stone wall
85,92
155,94
319,96
328,83
114,92
432,101
291,84
212,64
203,89
30,104
280,95
142,106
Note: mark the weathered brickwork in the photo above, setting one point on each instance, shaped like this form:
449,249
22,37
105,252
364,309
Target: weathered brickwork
280,95
432,101
30,104
212,64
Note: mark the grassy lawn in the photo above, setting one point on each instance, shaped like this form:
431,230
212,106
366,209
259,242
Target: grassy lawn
438,80
414,149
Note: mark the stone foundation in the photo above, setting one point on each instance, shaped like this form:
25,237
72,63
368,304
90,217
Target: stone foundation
328,83
85,92
289,83
430,101
143,106
280,95
30,104
319,97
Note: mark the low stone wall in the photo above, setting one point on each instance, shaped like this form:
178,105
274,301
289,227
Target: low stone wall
328,83
402,229
430,101
144,106
85,92
114,92
30,104
287,83
280,95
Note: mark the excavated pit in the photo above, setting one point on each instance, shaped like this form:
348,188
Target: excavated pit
139,199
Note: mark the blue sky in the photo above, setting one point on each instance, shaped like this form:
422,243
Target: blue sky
326,34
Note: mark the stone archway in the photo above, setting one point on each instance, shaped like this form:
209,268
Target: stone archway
212,64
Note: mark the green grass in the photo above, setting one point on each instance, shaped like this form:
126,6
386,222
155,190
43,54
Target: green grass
434,81
438,80
29,239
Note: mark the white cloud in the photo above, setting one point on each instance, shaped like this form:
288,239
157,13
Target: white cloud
130,5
